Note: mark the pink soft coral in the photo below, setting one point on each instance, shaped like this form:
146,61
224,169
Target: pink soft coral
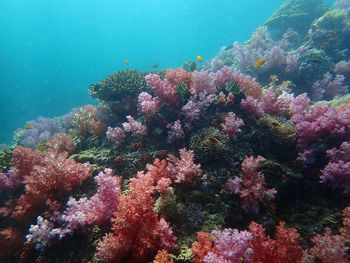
100,207
183,170
163,90
117,135
137,128
179,75
146,103
329,248
252,190
231,125
230,245
247,85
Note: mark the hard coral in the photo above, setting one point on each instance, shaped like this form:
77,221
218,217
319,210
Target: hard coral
210,144
119,85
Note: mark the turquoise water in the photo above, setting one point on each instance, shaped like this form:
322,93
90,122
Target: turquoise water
51,51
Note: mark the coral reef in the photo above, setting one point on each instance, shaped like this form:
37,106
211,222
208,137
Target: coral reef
175,156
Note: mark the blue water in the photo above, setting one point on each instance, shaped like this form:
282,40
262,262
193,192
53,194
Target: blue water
51,50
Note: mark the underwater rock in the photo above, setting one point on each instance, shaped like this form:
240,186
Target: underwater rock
295,14
328,32
314,63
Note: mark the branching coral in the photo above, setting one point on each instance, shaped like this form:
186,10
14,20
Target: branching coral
119,85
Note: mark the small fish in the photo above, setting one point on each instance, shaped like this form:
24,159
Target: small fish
276,124
181,88
193,66
272,206
229,47
155,66
28,127
316,60
232,87
199,58
213,140
127,62
259,63
154,60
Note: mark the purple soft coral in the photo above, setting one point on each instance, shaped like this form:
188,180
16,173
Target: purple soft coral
329,87
231,125
43,129
337,171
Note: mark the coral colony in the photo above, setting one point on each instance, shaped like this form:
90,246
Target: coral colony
245,158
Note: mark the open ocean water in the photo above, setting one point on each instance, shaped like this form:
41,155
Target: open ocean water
51,51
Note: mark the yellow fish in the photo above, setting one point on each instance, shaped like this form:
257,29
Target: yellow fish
28,127
259,63
199,58
127,62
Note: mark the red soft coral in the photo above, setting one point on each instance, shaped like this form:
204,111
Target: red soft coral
345,230
24,159
137,233
201,248
45,177
11,242
285,249
61,142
